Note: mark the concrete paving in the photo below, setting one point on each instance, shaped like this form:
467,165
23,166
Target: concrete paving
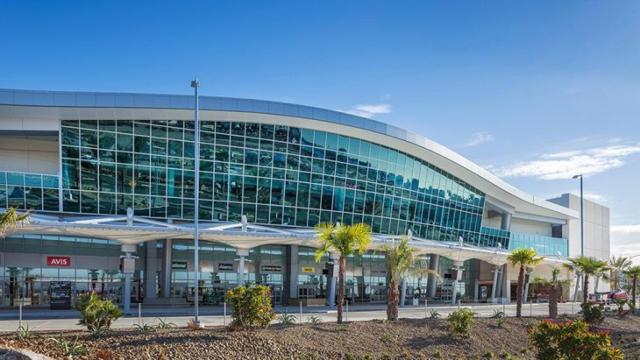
214,316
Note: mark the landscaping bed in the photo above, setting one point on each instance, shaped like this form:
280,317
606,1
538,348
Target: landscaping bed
409,339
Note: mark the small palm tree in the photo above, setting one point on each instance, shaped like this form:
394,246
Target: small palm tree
400,259
617,266
345,240
633,272
555,291
587,266
10,219
523,258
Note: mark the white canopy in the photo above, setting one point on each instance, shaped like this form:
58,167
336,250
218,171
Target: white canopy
241,235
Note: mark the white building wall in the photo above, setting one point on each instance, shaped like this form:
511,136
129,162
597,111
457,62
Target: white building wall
530,227
36,154
596,228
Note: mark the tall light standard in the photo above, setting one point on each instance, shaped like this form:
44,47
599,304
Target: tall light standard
195,84
581,215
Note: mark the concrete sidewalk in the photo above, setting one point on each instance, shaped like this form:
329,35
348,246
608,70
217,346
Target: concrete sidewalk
213,316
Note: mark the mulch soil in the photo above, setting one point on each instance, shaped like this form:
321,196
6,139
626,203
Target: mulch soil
404,339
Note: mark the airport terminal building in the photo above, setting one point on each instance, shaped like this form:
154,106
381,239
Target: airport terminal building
107,175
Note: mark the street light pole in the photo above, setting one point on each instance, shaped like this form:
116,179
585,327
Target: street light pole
195,84
581,215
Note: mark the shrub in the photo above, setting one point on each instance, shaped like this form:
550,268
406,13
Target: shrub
24,333
593,313
164,324
621,303
460,322
69,349
499,316
287,319
145,328
315,320
571,340
251,306
97,314
434,314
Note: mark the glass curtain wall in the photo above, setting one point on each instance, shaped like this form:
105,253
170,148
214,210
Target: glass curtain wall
273,174
29,284
219,270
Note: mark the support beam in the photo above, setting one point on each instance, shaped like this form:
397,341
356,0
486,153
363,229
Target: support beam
458,266
242,253
332,281
528,280
165,275
128,267
506,283
403,291
150,271
494,286
432,280
294,268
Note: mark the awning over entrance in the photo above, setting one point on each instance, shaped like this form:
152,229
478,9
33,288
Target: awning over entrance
241,235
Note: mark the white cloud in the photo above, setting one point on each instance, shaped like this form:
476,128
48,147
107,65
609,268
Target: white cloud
625,240
594,197
479,138
369,110
565,164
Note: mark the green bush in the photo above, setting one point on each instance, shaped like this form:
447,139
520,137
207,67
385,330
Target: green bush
97,314
287,319
593,313
571,340
69,349
434,314
251,306
460,322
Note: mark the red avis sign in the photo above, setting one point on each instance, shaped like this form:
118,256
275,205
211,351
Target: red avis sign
59,261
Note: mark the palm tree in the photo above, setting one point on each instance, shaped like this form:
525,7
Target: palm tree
587,266
634,273
617,265
523,258
10,219
345,240
555,291
400,261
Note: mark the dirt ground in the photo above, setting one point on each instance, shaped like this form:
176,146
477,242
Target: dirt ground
405,339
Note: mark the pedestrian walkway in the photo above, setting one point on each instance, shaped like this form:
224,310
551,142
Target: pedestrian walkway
38,319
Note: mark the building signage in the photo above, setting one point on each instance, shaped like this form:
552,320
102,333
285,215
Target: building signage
128,265
59,261
225,266
179,265
308,269
271,268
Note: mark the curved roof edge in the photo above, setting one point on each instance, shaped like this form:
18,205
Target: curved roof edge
48,98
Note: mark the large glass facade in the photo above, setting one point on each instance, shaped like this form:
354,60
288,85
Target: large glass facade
29,191
25,276
273,174
219,268
543,245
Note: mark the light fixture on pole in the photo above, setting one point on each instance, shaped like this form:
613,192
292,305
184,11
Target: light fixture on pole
195,84
581,215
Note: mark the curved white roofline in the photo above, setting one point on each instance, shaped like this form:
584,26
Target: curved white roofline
521,201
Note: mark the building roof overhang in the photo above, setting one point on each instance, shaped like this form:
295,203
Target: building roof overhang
131,230
36,107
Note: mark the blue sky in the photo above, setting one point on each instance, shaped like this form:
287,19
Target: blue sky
534,90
